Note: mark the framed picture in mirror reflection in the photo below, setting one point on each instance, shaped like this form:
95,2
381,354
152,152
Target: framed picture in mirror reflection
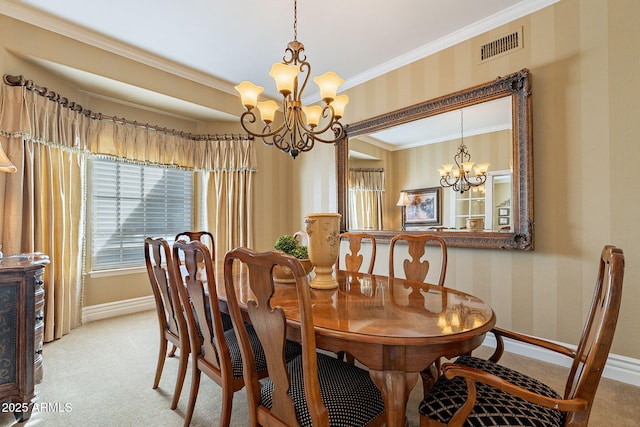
422,209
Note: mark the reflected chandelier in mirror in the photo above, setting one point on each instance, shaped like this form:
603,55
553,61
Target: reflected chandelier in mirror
514,231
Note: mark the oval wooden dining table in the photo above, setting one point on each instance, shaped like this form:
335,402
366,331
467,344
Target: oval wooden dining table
396,328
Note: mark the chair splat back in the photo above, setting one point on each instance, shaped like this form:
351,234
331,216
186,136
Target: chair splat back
354,259
415,269
204,317
202,236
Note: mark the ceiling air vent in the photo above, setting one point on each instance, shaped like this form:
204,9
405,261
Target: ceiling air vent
501,46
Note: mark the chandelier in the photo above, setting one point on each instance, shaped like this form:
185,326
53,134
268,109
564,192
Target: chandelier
458,176
301,125
460,318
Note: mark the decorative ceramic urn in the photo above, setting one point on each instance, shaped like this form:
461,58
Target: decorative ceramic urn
324,245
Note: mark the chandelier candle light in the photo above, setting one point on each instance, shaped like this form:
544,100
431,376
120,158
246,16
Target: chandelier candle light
301,125
458,176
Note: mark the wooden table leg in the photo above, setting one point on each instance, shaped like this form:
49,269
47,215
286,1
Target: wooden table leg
395,387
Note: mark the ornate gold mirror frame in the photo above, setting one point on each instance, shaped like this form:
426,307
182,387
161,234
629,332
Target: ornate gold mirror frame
518,86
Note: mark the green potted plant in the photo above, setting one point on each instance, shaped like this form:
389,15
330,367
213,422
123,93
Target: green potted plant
292,246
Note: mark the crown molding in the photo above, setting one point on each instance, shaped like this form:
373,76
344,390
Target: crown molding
494,21
58,26
504,17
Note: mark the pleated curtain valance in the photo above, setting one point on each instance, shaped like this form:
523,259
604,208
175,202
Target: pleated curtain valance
366,179
34,117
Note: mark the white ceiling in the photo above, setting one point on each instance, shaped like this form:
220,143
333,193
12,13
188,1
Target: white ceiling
223,42
491,116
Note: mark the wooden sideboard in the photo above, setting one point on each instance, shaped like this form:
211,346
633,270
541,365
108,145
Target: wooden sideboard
21,330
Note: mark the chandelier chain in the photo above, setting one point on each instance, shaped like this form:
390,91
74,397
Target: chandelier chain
461,127
295,20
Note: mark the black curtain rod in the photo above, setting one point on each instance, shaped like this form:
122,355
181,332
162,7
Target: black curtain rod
56,97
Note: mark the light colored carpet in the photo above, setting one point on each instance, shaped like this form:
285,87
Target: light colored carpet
104,371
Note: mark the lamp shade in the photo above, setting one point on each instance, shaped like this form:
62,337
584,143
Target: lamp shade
284,76
249,94
328,84
5,163
339,104
313,114
403,200
268,110
467,166
481,168
447,168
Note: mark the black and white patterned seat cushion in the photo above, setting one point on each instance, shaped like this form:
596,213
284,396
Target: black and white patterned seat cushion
226,321
347,391
292,350
493,407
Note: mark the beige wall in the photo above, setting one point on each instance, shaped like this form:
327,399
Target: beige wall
584,66
582,55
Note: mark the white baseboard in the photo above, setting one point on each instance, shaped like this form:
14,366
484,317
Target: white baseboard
117,308
619,368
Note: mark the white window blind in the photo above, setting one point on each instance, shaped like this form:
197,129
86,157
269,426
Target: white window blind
132,201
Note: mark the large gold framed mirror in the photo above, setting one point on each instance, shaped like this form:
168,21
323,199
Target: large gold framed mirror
405,147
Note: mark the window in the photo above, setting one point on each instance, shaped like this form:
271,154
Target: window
130,202
468,205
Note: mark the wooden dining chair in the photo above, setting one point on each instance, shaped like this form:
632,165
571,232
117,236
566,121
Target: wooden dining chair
205,237
215,351
416,269
474,391
353,259
312,389
173,326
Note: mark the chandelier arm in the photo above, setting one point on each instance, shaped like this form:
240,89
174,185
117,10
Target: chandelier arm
479,180
299,140
252,119
305,68
338,132
279,141
300,131
332,123
286,127
309,142
444,181
313,132
292,111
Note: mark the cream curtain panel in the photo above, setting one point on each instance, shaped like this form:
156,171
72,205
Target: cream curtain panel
44,204
227,184
366,189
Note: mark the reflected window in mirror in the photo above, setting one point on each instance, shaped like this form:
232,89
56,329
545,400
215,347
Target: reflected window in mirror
366,191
